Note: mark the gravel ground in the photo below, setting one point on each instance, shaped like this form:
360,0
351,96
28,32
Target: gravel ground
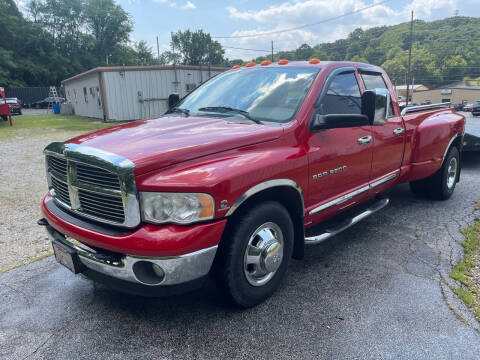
23,184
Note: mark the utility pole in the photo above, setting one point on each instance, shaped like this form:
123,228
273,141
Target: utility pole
272,50
174,63
158,51
209,60
409,74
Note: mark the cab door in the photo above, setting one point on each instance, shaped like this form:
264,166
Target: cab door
339,158
388,137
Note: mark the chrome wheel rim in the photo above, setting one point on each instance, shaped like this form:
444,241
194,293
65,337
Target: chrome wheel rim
264,254
452,173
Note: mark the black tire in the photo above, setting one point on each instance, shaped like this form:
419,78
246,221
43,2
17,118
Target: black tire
441,185
419,187
232,272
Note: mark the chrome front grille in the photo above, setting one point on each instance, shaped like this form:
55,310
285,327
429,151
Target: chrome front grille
93,183
96,176
57,164
61,191
102,206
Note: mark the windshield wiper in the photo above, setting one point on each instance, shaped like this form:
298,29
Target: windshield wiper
180,110
230,109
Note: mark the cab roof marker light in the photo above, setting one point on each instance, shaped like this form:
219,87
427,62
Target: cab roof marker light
314,61
265,62
236,66
250,64
283,62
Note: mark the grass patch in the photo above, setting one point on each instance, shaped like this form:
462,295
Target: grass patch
477,205
462,272
52,122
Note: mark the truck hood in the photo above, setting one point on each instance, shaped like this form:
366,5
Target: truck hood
156,143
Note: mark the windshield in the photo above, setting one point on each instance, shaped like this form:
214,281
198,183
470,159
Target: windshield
267,94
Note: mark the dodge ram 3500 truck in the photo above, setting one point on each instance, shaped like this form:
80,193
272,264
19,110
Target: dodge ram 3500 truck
238,176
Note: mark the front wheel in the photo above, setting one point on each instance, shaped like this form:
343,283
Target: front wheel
255,256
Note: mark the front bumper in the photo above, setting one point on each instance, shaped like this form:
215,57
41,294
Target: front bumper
146,240
137,270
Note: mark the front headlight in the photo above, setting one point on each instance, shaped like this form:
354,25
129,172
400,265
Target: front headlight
180,208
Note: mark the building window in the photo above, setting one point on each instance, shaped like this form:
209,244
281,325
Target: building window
85,94
190,87
445,100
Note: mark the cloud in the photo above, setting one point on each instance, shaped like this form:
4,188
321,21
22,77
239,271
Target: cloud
189,5
291,14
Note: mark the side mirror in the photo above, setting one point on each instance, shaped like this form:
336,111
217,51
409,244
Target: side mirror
173,99
336,121
375,105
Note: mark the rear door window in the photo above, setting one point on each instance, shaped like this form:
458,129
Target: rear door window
375,81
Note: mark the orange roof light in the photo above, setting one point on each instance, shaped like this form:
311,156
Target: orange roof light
314,61
236,66
265,62
283,62
250,64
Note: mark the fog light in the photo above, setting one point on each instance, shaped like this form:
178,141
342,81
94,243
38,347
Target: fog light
148,273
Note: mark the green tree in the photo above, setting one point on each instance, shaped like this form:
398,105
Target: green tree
144,53
197,48
109,24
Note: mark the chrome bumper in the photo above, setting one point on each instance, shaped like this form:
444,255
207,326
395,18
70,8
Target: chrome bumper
138,269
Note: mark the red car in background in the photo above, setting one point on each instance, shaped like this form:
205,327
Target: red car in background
15,106
468,108
4,108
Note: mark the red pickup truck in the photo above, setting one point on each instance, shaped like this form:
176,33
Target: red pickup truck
237,177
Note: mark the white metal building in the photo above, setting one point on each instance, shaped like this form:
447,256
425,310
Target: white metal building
132,92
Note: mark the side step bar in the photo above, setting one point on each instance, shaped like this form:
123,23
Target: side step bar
330,231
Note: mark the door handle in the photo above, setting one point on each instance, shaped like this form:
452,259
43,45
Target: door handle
398,131
364,140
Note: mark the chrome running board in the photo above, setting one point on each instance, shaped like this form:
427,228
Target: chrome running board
334,229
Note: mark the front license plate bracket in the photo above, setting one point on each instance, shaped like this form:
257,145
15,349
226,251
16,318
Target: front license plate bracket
67,256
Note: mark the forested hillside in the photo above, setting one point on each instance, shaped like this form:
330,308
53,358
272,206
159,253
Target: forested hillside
444,51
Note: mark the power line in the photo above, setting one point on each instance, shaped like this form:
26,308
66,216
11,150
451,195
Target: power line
303,26
239,48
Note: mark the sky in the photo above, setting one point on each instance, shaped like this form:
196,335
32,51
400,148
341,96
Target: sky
231,18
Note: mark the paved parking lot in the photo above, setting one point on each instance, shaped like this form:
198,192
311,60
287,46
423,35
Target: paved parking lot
372,292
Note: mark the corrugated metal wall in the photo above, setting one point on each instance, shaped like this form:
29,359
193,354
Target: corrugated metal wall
133,95
85,96
29,95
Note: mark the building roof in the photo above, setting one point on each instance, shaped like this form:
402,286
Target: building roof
415,87
142,68
453,88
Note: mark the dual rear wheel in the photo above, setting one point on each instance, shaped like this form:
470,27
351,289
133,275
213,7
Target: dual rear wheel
441,185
